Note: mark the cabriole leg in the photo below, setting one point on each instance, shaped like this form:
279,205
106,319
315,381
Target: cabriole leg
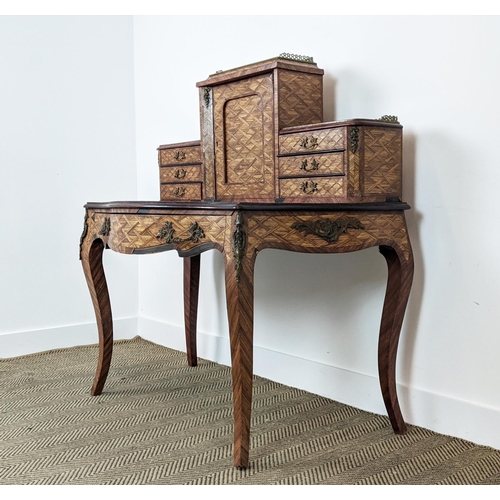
191,292
400,277
91,256
240,303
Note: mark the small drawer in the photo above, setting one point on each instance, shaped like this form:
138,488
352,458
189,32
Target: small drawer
181,191
320,188
178,155
313,140
321,164
180,173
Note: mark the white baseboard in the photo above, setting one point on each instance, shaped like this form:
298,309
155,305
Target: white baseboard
30,342
437,412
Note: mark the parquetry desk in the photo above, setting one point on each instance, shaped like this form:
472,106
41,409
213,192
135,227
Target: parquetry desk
240,231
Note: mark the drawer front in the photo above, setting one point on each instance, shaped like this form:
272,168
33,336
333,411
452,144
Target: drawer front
181,191
320,188
179,156
314,140
178,173
298,166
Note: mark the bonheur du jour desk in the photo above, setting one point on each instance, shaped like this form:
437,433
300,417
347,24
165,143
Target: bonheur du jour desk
240,231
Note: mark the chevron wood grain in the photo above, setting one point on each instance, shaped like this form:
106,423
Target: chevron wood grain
91,256
382,164
191,291
243,127
301,99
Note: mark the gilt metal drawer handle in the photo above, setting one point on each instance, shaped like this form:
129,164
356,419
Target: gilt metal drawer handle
179,191
167,233
328,229
180,155
180,173
309,142
309,187
305,166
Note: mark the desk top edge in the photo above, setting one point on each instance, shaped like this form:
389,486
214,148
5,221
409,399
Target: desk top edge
145,206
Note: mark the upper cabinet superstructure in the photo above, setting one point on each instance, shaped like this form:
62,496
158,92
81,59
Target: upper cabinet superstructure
263,140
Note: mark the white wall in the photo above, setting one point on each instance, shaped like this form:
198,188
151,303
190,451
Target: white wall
67,91
316,317
67,136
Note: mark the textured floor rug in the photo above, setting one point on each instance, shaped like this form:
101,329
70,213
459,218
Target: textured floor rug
162,422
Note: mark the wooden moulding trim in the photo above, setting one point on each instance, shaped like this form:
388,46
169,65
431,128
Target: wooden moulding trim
313,152
258,68
310,175
172,165
327,207
145,206
181,181
338,124
180,145
196,250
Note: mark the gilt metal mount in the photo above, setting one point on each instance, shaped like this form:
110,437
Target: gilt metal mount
328,229
180,173
85,231
354,139
305,165
167,233
179,191
206,96
297,57
309,187
389,118
106,227
309,142
239,243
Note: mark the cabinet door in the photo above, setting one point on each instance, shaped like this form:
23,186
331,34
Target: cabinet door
243,136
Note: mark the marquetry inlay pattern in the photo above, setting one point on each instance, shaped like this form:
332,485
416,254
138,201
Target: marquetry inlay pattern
315,140
382,160
378,229
243,126
301,99
131,231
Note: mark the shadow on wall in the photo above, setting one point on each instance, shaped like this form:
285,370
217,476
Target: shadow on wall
329,93
413,220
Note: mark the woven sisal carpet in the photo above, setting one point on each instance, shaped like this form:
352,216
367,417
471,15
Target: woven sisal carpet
161,422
